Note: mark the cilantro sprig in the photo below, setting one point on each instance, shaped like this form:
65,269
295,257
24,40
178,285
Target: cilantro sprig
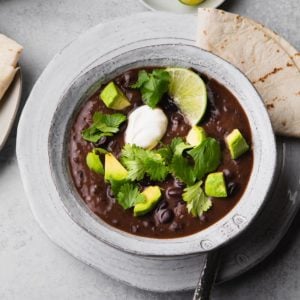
140,162
152,85
103,125
180,166
197,201
207,157
128,195
178,158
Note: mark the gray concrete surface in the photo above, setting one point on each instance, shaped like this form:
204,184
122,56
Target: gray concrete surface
31,267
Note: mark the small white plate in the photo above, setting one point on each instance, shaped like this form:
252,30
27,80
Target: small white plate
176,7
8,108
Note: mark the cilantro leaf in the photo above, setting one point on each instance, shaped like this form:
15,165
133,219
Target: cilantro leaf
207,157
93,135
108,123
180,166
130,157
140,162
166,153
175,142
143,77
129,195
103,125
197,201
115,186
153,85
155,166
183,170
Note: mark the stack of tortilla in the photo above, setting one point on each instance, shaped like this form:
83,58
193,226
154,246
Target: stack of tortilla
269,61
10,52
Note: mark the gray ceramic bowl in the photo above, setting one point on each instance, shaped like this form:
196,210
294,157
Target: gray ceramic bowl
166,55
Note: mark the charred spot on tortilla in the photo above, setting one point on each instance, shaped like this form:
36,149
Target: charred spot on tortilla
262,79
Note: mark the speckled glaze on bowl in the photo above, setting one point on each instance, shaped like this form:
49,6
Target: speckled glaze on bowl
166,55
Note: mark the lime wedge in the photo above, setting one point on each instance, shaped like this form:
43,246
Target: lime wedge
191,2
188,91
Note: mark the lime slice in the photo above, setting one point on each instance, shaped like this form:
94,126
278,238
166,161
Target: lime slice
188,91
191,2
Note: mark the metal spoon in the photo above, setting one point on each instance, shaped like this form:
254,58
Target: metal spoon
208,276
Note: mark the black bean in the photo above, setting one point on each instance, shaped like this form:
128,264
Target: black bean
203,218
162,205
114,146
179,183
134,229
180,209
164,216
175,125
101,142
80,174
94,189
123,127
169,105
176,117
133,95
76,159
232,188
129,78
109,193
226,172
145,224
173,192
175,226
145,182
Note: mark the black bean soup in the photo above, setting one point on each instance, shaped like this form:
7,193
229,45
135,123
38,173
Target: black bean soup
170,218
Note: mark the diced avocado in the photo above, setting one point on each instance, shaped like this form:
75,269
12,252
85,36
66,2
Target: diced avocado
94,163
113,97
113,169
152,195
196,136
215,185
236,143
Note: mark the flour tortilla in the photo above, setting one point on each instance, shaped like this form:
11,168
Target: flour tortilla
10,51
7,74
284,44
268,60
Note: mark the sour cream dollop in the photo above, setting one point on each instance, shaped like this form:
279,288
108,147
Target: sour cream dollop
146,127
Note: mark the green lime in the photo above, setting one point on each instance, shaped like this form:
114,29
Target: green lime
189,93
191,2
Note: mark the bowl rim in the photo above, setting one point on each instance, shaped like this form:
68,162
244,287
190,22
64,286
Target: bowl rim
123,240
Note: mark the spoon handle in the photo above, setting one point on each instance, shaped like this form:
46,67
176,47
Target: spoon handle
208,276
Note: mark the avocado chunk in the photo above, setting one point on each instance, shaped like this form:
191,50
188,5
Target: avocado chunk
113,97
215,185
113,169
152,195
94,163
236,143
196,136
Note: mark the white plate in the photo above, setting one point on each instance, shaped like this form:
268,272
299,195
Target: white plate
176,7
8,108
150,273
